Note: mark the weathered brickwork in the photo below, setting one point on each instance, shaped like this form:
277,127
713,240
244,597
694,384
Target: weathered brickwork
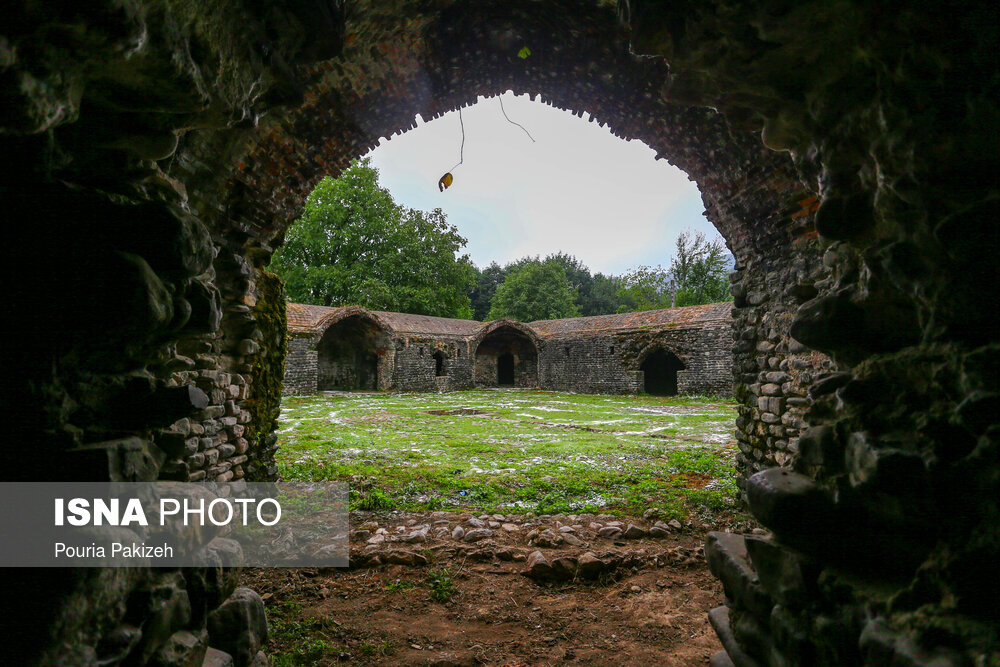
588,354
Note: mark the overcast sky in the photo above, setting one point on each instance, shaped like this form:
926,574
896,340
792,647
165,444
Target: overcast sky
578,188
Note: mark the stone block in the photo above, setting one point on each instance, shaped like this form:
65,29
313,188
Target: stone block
788,577
729,562
239,626
719,618
217,658
794,507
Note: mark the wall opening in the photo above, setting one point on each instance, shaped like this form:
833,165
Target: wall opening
660,373
348,355
506,357
505,369
439,364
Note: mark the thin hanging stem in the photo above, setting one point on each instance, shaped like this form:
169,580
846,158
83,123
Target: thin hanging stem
512,122
461,152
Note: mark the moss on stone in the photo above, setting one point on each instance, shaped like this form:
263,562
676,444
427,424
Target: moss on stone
264,400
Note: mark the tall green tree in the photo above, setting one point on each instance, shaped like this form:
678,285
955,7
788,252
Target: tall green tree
355,245
644,288
487,281
698,273
535,290
700,269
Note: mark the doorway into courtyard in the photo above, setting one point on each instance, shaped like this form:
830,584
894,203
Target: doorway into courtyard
659,372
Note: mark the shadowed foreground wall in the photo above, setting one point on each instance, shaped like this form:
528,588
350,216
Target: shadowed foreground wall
155,152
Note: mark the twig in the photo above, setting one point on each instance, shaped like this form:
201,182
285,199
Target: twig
512,122
461,152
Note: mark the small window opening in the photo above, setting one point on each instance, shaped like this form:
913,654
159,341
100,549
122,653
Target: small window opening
421,351
611,349
566,350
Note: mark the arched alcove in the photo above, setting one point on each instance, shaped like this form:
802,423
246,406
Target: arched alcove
659,370
506,355
348,355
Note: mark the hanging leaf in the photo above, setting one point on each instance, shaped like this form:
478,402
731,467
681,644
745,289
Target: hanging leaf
445,182
524,52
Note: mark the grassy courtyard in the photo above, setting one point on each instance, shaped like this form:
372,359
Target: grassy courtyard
516,451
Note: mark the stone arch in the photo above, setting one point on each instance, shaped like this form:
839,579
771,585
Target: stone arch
505,353
176,160
352,350
659,372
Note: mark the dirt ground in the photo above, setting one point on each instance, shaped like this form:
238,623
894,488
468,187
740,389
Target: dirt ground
450,602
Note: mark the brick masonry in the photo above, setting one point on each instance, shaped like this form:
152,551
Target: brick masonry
590,354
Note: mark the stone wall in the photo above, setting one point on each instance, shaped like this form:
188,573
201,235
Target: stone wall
301,365
591,362
609,363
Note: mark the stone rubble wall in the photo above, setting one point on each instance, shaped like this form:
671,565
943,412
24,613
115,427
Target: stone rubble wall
580,363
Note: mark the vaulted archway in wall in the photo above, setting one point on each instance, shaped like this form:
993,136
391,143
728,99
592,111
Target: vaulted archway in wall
506,356
349,355
659,371
152,188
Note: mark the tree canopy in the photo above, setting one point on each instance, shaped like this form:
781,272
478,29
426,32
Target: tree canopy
355,245
698,273
535,290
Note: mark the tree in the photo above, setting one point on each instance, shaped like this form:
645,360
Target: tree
355,245
700,270
698,273
487,281
535,290
644,288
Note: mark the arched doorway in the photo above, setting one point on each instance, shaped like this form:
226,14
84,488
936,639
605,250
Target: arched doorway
506,357
348,355
659,371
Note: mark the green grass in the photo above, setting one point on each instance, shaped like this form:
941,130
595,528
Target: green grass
515,451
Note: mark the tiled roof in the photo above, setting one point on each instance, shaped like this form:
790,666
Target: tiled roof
622,321
307,319
425,324
304,318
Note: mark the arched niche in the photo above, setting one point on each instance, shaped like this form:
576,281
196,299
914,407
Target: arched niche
506,355
349,355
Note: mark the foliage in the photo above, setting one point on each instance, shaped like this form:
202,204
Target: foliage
487,281
374,501
534,291
700,270
698,273
442,587
355,245
644,288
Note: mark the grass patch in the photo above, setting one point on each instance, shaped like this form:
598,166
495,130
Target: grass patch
516,451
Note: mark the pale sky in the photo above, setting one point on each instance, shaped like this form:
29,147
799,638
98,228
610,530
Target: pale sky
578,188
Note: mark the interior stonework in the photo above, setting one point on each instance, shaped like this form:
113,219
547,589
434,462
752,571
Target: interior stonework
155,152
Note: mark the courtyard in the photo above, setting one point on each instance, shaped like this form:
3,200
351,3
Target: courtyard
520,451
522,527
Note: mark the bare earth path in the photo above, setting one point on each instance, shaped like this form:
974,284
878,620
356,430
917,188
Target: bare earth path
451,602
